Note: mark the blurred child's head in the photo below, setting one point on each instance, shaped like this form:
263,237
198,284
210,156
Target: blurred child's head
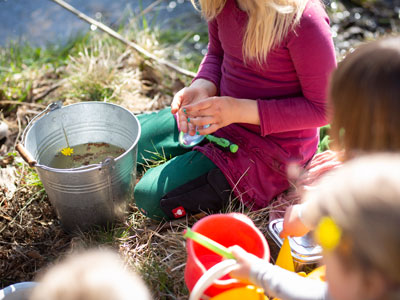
365,97
94,275
362,201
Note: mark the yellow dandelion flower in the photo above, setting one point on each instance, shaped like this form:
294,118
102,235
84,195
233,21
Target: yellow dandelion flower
67,151
328,234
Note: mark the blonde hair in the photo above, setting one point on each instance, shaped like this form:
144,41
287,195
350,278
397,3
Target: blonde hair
94,275
269,22
363,198
365,97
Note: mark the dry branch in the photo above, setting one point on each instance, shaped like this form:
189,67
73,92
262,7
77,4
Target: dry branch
119,37
11,102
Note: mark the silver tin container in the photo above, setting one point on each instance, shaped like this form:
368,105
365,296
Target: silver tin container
90,195
304,250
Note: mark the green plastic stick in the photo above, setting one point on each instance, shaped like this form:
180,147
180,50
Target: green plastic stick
208,243
219,141
222,142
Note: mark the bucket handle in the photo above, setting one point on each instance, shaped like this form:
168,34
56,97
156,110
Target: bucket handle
20,147
26,155
52,106
206,280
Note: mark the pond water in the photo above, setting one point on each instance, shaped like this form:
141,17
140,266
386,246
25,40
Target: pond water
43,21
85,154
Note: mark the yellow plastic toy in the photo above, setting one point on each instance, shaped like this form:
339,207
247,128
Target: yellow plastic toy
285,258
249,292
285,261
317,274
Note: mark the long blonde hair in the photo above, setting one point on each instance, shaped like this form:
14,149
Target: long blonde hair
268,25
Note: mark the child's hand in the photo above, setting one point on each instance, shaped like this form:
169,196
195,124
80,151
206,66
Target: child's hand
221,111
186,96
245,261
198,90
292,224
217,112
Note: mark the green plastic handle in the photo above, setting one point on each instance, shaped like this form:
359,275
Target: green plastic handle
208,243
222,142
219,141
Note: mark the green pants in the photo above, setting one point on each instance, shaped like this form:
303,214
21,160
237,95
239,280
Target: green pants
159,142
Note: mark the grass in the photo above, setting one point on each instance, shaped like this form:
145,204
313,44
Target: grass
96,67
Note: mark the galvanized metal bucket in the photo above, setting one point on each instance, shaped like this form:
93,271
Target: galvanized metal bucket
90,195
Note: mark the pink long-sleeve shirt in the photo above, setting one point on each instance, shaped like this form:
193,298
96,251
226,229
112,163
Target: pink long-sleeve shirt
290,90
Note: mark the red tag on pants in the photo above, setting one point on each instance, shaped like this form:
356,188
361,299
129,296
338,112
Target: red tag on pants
179,212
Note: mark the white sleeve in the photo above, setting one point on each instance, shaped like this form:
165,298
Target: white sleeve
285,285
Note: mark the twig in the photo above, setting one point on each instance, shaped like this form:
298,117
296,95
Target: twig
178,267
31,199
119,37
11,102
19,131
49,90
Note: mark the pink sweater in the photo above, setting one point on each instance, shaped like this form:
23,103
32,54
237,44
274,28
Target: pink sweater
290,90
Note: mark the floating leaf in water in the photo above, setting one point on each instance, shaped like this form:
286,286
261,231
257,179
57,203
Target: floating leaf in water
67,151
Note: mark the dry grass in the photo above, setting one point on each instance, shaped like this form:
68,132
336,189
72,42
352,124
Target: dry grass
104,72
32,238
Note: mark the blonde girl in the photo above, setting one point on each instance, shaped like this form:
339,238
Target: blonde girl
92,275
262,87
357,210
365,96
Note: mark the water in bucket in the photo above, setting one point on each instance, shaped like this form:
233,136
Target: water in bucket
85,154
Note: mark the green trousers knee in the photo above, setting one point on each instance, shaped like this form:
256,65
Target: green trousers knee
159,142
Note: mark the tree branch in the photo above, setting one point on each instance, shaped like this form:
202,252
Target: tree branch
119,37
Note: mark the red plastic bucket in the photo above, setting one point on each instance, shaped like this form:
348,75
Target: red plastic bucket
228,230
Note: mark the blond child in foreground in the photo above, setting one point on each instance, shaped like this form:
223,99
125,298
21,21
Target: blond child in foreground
364,94
94,275
359,207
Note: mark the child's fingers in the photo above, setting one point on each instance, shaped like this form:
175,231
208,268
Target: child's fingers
238,252
287,219
192,129
201,121
209,130
283,234
183,124
292,223
177,101
193,109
